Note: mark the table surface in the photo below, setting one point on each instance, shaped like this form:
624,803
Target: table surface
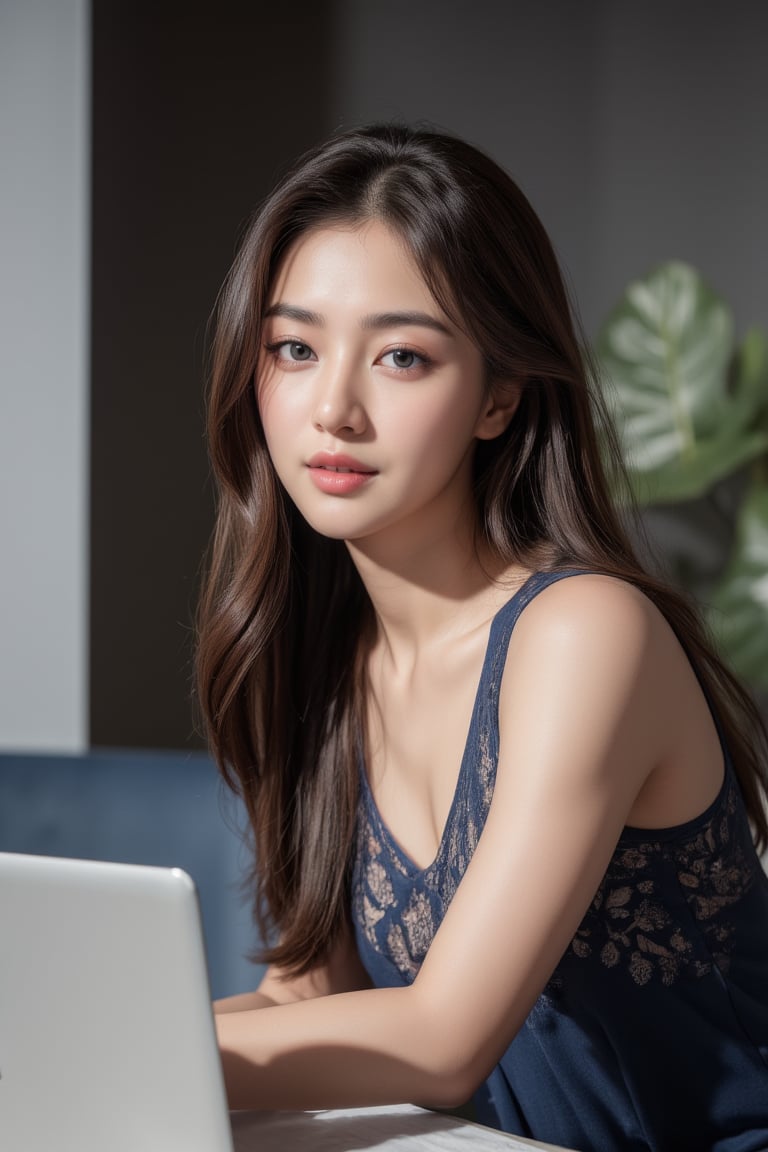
397,1128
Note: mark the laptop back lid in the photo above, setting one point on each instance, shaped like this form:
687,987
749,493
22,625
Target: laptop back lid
107,1042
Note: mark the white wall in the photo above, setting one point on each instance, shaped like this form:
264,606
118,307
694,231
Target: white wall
44,205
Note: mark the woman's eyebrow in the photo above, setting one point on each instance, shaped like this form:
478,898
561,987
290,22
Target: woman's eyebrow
373,320
300,315
396,319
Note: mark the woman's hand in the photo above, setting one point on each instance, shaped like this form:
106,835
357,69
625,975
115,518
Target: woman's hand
341,972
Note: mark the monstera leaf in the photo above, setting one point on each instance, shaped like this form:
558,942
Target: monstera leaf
685,404
739,607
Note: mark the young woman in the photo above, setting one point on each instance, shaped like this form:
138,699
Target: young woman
500,786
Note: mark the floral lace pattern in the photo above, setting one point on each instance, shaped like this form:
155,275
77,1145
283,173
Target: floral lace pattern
398,913
633,923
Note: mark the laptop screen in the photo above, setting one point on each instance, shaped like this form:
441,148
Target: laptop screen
107,1040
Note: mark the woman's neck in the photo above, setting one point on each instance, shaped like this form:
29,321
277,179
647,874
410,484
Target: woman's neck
434,589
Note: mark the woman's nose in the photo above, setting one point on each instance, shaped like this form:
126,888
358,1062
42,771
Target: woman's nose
339,406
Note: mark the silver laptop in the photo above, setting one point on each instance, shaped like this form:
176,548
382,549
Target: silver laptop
107,1041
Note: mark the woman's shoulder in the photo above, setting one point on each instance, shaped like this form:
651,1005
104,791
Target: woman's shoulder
588,608
592,652
594,665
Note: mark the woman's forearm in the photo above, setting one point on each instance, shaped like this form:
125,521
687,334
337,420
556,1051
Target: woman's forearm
352,1049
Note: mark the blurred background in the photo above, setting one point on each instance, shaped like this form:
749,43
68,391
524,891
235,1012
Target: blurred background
135,140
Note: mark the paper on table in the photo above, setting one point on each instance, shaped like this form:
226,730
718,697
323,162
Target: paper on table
396,1128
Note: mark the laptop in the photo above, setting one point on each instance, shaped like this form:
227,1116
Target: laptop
107,1041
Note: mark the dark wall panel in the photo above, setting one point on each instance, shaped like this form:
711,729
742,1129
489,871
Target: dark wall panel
196,108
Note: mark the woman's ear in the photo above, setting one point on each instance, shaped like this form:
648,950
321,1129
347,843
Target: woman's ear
501,402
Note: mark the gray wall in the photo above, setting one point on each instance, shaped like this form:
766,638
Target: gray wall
638,131
44,202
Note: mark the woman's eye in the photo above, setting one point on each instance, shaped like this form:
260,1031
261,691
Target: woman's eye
293,350
402,359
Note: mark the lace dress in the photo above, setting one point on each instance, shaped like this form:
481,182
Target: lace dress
653,1031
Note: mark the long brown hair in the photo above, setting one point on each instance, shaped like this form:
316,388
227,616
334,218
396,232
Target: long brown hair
284,622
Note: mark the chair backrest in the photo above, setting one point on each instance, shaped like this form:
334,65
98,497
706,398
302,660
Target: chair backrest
140,807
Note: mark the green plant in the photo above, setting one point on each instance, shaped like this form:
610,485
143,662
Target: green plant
690,406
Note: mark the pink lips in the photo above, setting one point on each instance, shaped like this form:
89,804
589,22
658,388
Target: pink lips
337,474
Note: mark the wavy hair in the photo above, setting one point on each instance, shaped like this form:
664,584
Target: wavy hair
284,622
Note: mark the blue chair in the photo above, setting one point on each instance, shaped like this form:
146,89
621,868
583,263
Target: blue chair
167,809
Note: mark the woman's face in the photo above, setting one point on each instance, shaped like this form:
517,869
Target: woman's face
370,398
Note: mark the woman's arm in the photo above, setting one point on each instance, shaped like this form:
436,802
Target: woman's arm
586,712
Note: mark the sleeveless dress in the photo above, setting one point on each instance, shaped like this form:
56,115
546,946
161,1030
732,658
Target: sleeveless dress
653,1031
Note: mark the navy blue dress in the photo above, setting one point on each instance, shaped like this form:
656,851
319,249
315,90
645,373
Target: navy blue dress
653,1031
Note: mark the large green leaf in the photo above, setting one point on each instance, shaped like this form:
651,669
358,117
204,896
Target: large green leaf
687,479
684,421
739,607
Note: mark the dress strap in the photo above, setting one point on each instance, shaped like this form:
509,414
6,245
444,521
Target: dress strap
485,719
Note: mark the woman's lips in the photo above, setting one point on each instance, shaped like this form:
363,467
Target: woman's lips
337,474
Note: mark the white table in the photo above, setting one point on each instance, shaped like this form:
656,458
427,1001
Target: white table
395,1128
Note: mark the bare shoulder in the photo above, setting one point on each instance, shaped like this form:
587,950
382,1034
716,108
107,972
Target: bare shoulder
600,612
592,665
595,672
